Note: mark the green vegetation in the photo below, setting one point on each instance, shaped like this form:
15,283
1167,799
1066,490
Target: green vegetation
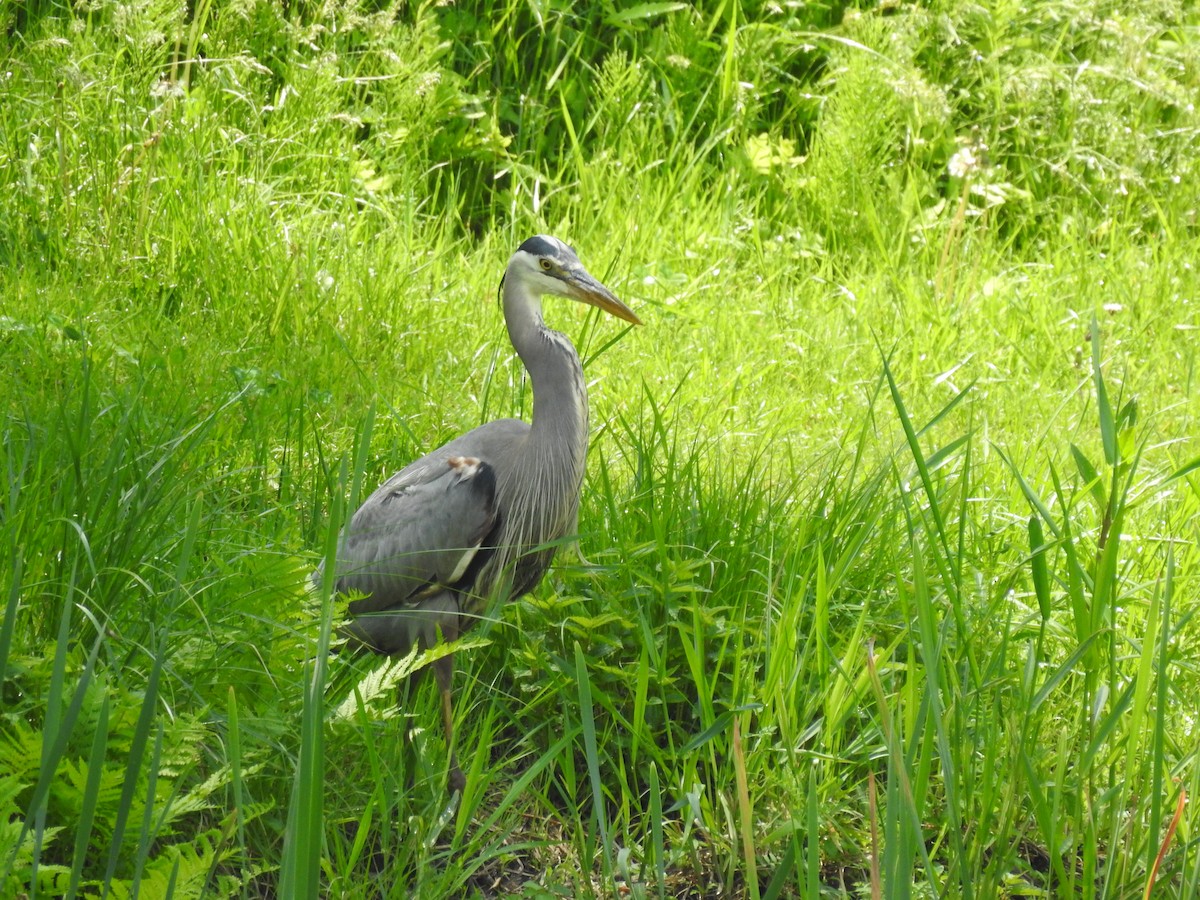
893,505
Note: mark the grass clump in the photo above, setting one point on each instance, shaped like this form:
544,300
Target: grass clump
890,520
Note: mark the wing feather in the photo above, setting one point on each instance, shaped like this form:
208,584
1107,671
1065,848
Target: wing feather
418,532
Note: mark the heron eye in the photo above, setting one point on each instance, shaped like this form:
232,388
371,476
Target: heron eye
545,264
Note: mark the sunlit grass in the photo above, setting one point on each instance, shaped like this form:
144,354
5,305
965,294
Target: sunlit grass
889,533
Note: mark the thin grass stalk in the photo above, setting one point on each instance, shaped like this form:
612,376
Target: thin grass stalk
381,778
51,730
91,791
874,871
1040,575
1137,723
172,879
1166,843
1045,815
931,651
362,831
1079,582
821,600
729,64
657,843
300,868
234,746
146,834
789,866
1191,877
1159,765
133,766
812,863
301,853
640,697
592,756
52,754
897,868
195,512
953,570
745,810
10,610
1108,432
918,456
903,833
522,784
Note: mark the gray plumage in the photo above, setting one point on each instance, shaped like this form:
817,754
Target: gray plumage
470,522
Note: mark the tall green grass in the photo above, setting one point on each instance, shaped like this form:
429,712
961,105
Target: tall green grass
888,541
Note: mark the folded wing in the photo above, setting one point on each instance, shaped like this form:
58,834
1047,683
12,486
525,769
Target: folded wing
418,534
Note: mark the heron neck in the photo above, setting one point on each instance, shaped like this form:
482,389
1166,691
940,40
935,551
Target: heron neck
559,390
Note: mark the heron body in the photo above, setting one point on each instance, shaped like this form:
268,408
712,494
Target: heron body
477,519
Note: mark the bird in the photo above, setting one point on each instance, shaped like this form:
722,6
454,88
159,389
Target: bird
478,519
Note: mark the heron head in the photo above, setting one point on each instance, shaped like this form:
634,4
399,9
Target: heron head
545,265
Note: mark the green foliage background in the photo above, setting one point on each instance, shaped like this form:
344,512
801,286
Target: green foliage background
891,515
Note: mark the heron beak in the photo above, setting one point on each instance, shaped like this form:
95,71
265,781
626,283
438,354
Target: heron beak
583,287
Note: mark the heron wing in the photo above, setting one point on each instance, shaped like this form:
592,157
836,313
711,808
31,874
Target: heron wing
418,532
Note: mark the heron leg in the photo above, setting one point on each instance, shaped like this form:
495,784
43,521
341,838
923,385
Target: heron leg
407,690
443,670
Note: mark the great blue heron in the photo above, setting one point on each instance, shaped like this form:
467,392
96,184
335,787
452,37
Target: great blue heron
478,518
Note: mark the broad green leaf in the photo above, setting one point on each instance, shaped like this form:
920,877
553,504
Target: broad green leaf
1037,560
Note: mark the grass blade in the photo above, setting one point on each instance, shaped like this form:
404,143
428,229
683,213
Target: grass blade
1034,500
784,870
656,833
918,456
146,834
1108,431
1184,470
52,755
1037,562
1091,477
1061,673
592,755
300,868
234,745
1166,843
137,752
946,410
10,613
745,810
91,790
813,838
